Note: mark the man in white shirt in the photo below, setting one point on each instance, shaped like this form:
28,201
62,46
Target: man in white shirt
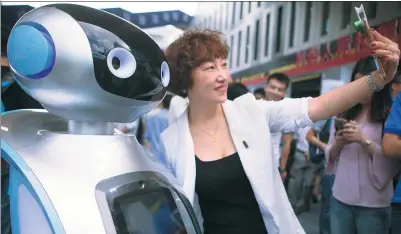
276,86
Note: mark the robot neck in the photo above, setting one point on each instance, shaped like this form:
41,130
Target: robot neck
90,128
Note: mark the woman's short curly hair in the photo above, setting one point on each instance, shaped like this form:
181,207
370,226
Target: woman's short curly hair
189,51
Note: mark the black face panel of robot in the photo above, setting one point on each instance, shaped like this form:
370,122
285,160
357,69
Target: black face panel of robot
86,64
122,60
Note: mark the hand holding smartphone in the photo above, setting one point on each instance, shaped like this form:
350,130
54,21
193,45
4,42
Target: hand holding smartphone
339,123
362,25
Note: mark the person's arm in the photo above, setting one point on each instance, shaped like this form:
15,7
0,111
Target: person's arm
129,126
340,99
311,137
391,144
335,149
332,150
285,151
380,169
302,112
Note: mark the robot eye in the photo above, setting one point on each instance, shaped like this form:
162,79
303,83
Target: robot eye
121,63
165,74
31,50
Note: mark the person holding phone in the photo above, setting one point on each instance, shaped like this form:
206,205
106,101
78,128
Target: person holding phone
220,151
362,188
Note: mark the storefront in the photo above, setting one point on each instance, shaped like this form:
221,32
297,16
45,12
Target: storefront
315,61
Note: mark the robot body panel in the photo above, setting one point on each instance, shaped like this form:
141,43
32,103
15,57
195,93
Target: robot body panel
75,168
69,173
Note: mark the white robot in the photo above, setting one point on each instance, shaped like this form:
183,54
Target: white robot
70,173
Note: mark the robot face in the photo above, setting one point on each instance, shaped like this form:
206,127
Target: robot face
86,64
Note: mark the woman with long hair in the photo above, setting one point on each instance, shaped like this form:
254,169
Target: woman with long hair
362,189
220,150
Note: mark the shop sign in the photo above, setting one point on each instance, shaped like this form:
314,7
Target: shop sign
246,79
346,49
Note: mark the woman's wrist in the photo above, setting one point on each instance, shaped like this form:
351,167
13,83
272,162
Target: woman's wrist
362,141
378,80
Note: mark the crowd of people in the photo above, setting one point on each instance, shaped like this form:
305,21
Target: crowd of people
252,163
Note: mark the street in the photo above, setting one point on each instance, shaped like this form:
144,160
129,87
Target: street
310,220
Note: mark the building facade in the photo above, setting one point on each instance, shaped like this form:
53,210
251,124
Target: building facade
307,40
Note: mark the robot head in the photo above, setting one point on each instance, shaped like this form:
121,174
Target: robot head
86,64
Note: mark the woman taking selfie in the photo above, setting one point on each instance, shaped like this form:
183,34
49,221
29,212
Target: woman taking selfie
363,188
220,151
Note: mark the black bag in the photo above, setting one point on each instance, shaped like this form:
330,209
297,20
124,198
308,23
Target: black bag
323,136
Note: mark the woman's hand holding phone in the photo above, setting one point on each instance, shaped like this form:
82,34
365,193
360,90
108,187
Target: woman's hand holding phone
339,125
383,48
389,53
352,132
340,139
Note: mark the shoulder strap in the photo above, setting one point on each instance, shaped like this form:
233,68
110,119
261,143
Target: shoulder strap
326,125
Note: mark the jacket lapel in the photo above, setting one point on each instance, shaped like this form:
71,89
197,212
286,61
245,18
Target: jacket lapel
186,157
245,140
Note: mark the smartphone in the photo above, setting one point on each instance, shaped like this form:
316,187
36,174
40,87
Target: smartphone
339,123
362,25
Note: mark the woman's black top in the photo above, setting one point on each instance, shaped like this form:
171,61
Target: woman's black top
226,198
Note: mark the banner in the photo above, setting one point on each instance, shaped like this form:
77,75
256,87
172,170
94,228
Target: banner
344,50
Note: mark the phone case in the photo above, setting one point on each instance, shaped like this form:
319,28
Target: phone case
362,25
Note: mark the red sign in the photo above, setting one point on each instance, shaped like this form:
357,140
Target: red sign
348,49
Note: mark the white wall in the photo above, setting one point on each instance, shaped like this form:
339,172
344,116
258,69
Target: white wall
164,35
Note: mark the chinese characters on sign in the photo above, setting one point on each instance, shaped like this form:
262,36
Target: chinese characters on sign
342,51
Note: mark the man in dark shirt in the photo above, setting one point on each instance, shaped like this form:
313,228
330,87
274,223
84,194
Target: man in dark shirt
392,148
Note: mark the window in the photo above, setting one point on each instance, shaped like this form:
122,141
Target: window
278,29
155,19
249,7
239,47
241,6
248,28
233,16
347,9
127,15
215,20
292,23
256,41
325,19
372,10
231,52
308,14
221,18
227,14
267,35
